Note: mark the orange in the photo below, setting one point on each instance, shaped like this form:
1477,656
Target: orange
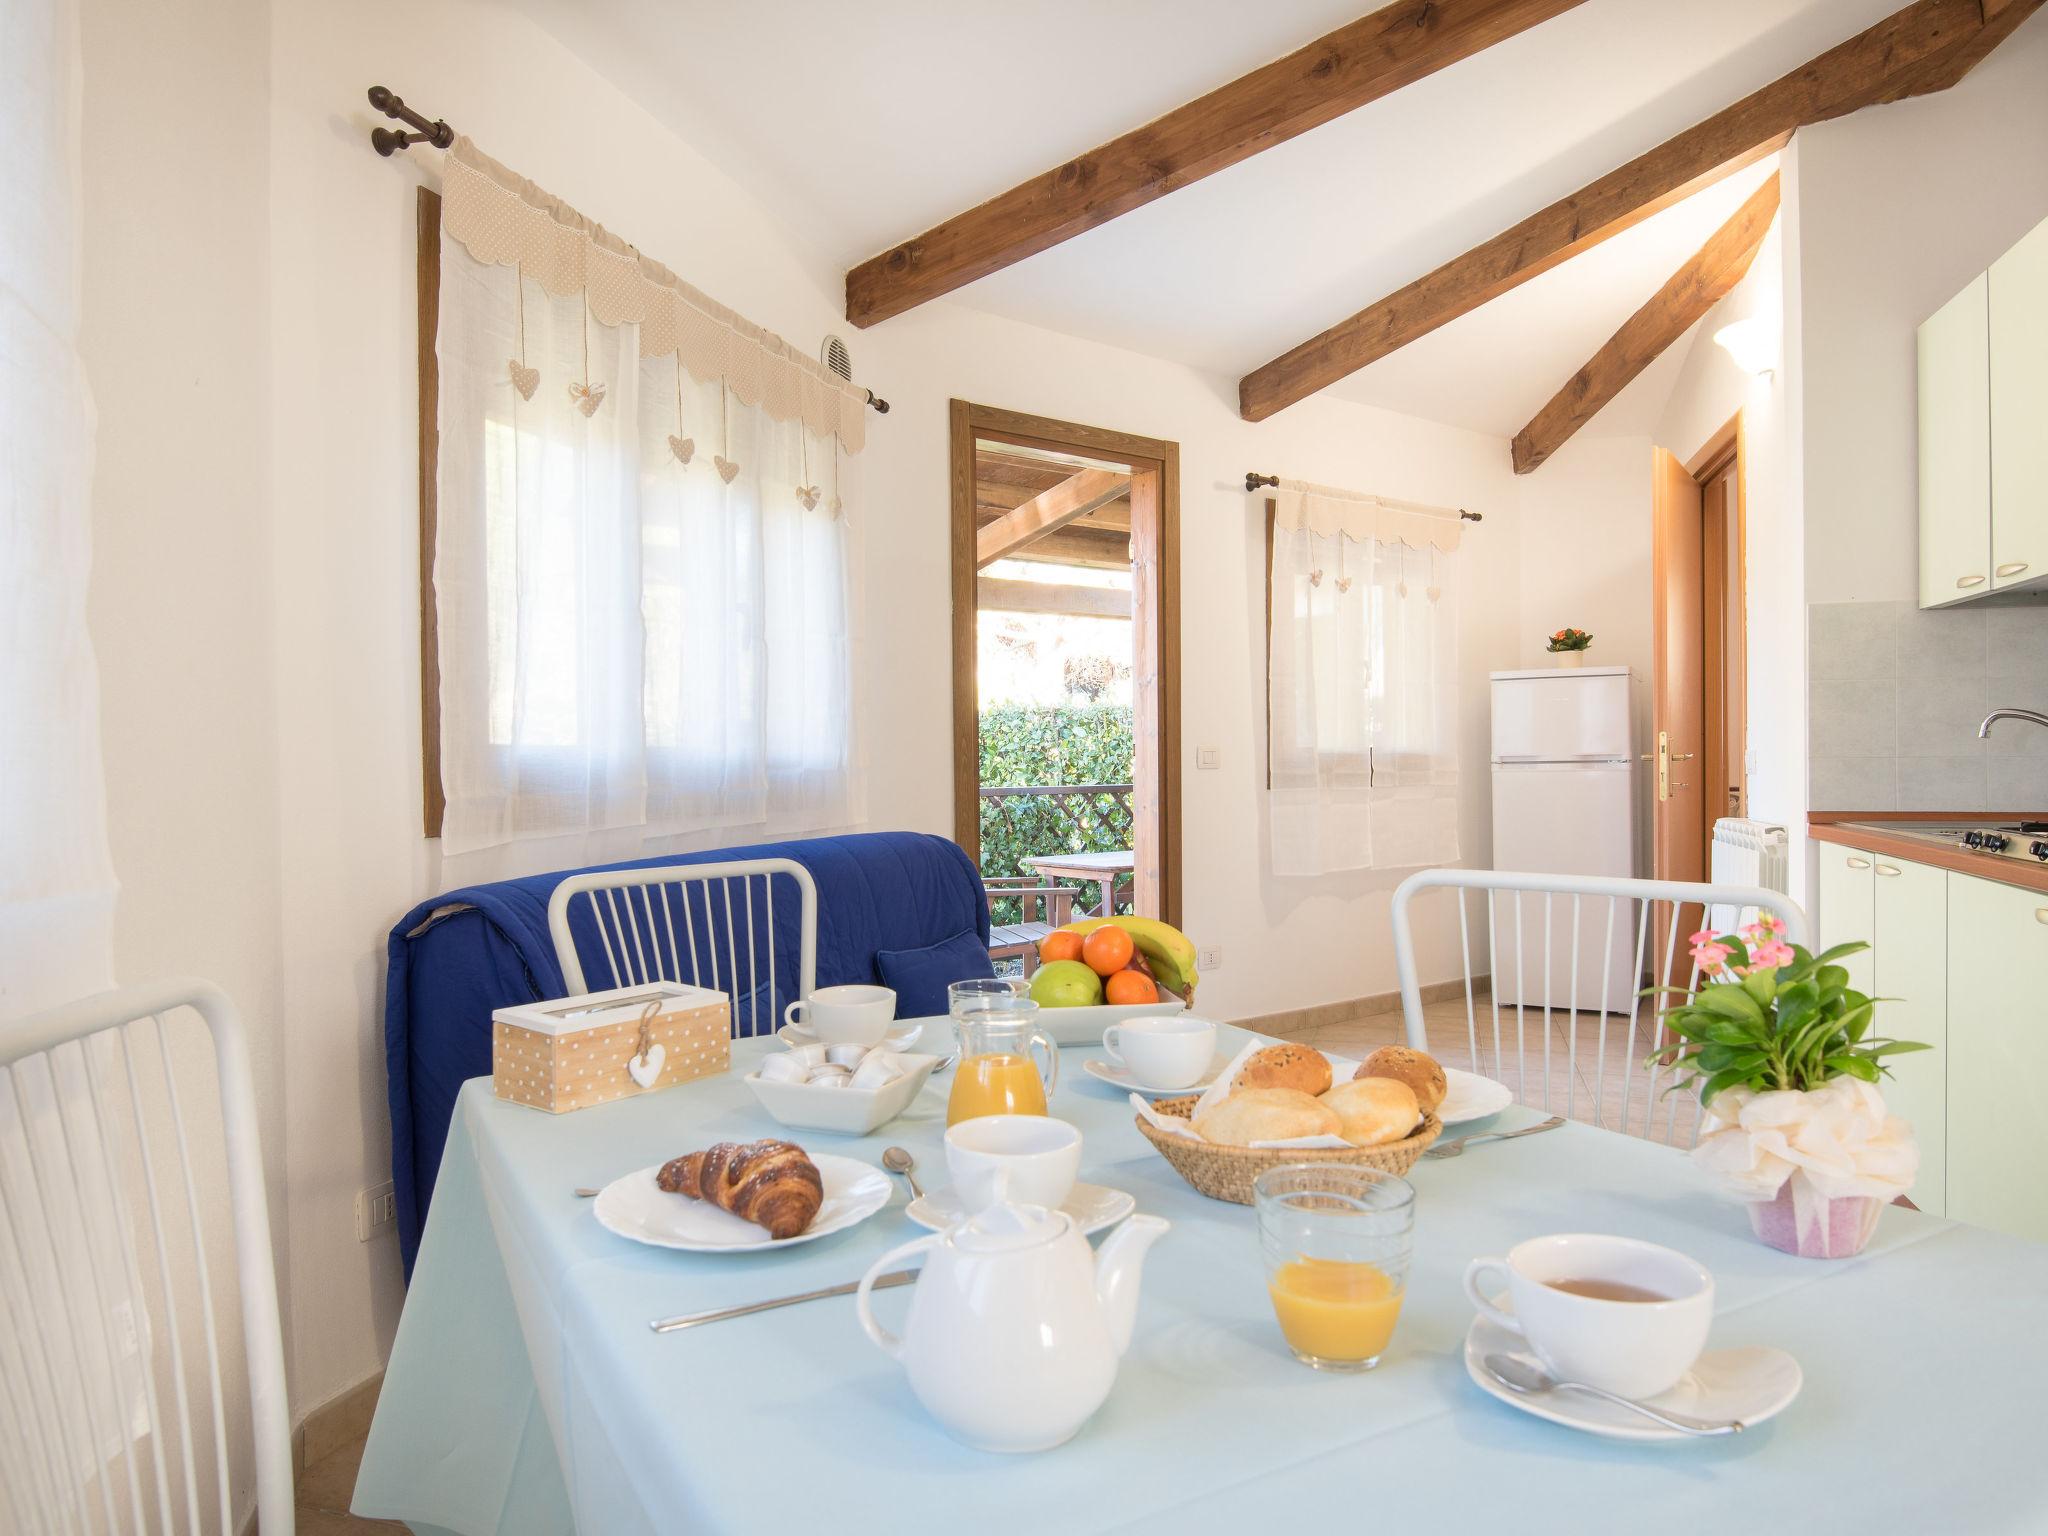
1107,950
1128,988
1059,946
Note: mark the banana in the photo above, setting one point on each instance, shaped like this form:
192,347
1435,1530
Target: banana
1169,952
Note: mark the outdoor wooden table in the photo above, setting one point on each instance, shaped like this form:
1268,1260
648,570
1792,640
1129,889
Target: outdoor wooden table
1104,868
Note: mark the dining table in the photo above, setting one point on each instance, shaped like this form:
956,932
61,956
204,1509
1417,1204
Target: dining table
1103,867
527,1394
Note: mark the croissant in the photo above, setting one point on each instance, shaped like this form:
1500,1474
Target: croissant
770,1183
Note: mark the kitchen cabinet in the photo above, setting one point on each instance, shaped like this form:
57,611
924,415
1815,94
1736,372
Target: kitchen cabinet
1955,448
2019,412
1848,910
1998,1055
1910,965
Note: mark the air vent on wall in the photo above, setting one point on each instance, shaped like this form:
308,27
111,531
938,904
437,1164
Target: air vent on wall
833,355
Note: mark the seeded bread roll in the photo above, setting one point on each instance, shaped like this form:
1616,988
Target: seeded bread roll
1300,1067
1373,1110
1266,1114
1418,1070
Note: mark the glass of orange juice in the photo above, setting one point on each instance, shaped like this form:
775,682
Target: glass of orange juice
1337,1242
997,1029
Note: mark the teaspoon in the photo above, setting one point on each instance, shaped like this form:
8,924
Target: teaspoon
899,1160
1527,1378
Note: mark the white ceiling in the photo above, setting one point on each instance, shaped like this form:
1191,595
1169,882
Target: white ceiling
861,124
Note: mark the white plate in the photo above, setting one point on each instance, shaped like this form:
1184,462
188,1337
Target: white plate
1471,1097
1120,1077
1750,1384
636,1207
1092,1206
901,1037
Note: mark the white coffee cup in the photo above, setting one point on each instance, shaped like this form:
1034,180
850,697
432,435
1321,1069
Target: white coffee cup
1031,1159
1635,1348
850,1015
1169,1051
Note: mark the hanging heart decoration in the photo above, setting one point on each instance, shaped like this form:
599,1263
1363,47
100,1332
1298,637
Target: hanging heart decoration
1343,583
646,1067
838,506
1315,578
1433,593
725,467
586,397
808,495
524,379
682,448
1401,589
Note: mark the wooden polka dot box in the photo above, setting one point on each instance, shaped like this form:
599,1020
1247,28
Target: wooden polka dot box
578,1051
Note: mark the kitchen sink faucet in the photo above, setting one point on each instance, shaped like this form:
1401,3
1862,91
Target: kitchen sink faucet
2011,714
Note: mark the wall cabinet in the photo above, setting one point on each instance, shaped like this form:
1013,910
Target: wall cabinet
1998,1055
1983,410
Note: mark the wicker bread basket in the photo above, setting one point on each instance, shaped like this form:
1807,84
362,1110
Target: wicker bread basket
1226,1173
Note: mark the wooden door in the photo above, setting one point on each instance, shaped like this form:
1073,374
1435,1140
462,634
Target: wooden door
2019,412
1955,448
1909,962
1997,1056
1680,822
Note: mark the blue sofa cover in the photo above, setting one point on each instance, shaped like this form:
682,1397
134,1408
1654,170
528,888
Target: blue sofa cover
456,958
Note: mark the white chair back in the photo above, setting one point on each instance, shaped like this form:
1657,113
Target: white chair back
686,923
113,1399
1568,955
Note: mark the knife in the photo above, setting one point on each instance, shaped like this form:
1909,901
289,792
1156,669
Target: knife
720,1314
1453,1148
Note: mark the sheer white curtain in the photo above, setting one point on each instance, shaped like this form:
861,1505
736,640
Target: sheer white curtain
642,583
1363,712
56,876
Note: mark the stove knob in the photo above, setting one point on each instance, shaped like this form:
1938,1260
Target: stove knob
2039,849
1973,839
1995,843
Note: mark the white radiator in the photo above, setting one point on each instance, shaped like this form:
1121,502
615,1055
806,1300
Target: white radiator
1745,853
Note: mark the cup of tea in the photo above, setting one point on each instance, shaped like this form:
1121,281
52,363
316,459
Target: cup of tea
1031,1159
1614,1312
1172,1051
849,1015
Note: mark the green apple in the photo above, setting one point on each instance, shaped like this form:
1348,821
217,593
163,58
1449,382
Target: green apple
1065,984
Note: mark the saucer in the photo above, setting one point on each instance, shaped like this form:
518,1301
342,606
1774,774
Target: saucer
1092,1206
1469,1097
1119,1076
1751,1384
901,1036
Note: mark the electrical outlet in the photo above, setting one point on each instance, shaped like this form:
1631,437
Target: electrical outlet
1210,959
1208,757
376,1211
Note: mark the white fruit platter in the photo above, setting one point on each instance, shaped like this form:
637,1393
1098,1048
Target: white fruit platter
1084,1025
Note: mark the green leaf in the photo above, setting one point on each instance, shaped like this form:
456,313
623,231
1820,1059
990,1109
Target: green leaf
1851,1066
1762,984
1730,1078
1731,1002
1829,956
1831,978
1899,1047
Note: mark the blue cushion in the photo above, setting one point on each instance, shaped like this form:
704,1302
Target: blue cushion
921,976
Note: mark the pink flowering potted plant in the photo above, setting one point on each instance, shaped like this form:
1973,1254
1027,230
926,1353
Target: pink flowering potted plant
1781,1048
1569,646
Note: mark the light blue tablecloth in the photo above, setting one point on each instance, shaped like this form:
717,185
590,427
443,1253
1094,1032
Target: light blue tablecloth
525,1394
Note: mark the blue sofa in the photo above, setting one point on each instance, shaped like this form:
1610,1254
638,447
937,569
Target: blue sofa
456,958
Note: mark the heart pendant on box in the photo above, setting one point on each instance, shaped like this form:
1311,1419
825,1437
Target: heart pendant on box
682,448
725,467
524,379
646,1068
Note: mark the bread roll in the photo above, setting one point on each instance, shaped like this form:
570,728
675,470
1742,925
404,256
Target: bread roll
1372,1110
1266,1114
1420,1071
1299,1067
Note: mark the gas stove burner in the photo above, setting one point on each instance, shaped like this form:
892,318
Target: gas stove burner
2027,840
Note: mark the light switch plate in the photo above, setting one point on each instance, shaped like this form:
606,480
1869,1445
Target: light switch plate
376,1211
1208,757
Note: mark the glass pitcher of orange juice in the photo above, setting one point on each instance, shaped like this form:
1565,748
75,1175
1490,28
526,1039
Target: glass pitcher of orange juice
998,1074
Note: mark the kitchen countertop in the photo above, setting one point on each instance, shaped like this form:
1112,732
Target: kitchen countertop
1906,835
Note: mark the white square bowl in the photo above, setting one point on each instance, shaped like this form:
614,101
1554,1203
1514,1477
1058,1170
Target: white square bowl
849,1111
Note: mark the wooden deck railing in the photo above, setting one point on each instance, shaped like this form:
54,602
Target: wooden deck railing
1021,821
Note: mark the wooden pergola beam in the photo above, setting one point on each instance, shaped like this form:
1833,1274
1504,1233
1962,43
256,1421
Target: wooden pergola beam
1052,509
1693,289
995,592
1926,46
1358,63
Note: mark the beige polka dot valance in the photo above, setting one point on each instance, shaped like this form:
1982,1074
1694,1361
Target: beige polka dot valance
1329,512
505,220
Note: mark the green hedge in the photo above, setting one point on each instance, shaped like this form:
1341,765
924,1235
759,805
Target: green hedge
1022,745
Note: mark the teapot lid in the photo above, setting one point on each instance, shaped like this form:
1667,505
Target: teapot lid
1007,1228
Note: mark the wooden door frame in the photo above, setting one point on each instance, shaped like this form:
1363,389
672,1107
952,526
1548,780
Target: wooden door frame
969,422
1726,673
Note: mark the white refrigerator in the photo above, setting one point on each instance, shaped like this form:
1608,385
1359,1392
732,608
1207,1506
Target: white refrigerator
1564,803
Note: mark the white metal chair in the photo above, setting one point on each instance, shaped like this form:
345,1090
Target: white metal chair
112,1395
1564,952
657,924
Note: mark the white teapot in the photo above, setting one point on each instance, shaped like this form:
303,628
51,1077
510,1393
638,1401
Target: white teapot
1016,1324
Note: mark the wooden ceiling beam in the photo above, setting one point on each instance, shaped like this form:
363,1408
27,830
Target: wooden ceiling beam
1358,63
995,592
1912,49
1073,498
1693,290
1078,544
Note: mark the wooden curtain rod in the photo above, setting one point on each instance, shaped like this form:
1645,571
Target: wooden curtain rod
387,142
1253,480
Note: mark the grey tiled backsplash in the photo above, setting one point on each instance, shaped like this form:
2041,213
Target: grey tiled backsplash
1895,694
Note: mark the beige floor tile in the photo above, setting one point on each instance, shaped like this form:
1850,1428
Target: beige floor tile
324,1491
